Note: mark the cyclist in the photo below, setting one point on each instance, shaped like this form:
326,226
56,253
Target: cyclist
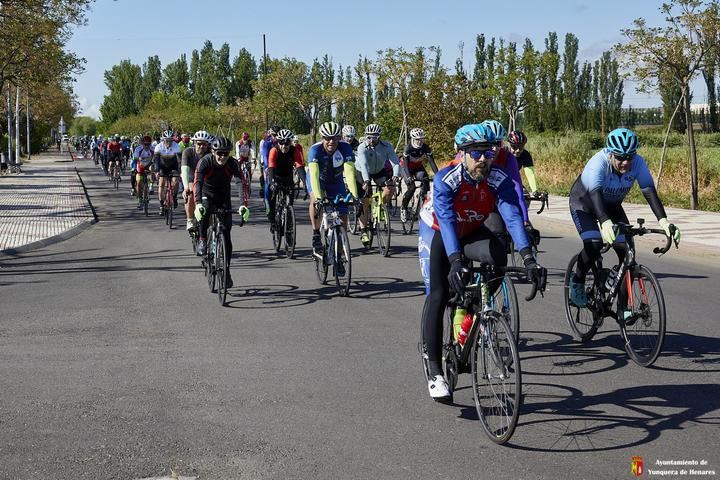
328,161
283,158
188,164
268,145
348,133
596,199
376,160
517,141
245,152
261,146
184,142
126,145
142,159
212,190
167,164
464,218
416,156
114,152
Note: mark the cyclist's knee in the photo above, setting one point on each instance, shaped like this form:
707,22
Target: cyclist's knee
592,248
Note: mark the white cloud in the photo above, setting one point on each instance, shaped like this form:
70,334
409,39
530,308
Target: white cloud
89,109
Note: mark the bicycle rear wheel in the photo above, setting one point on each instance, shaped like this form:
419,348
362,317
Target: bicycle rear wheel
583,321
342,265
221,268
407,225
353,216
321,267
505,302
277,230
383,231
496,378
290,229
641,314
210,261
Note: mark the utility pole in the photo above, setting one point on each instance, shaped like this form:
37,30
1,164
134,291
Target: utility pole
17,125
265,60
9,123
27,117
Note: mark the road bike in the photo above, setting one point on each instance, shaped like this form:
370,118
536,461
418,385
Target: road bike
412,214
378,221
335,249
640,308
115,174
299,184
168,206
144,197
489,353
283,225
244,184
216,260
532,233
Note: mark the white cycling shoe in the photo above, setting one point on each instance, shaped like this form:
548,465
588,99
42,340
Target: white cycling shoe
438,387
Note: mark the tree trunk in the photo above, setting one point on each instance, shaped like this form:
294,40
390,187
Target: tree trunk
667,134
693,154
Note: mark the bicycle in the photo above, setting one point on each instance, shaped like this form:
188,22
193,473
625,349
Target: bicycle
415,205
533,234
215,261
244,184
145,193
284,222
628,283
490,353
335,244
115,174
299,185
378,222
168,207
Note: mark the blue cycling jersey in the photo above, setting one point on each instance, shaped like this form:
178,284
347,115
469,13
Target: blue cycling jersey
330,166
599,174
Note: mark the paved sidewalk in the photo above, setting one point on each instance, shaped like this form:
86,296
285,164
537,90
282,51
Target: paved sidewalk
44,204
700,230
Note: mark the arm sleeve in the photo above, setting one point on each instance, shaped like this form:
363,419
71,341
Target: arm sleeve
405,163
199,181
514,171
443,201
393,158
361,164
431,160
349,170
185,175
272,158
653,200
530,175
314,170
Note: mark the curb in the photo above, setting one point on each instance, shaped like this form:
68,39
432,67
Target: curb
76,230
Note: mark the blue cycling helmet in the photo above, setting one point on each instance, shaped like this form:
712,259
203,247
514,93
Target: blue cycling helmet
474,134
497,128
622,141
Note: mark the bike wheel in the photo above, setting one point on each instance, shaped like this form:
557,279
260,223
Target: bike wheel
353,216
505,302
407,225
641,311
342,262
290,229
321,268
210,262
583,321
383,231
277,230
496,378
221,268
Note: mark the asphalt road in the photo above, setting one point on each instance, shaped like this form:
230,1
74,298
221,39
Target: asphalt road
116,362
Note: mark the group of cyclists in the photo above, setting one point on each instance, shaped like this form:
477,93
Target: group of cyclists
473,206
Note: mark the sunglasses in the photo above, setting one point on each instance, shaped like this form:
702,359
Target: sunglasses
623,158
489,154
372,137
201,144
516,147
330,139
222,154
284,142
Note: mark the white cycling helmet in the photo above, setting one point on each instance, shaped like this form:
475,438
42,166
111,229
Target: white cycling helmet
284,134
417,133
167,134
373,129
348,131
202,136
330,129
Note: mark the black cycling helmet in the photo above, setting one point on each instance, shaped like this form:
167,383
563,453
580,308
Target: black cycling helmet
221,144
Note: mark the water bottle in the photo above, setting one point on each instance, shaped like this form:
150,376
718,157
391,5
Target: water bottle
458,318
610,280
465,328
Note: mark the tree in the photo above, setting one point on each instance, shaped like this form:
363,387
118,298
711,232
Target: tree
708,72
244,72
223,76
204,87
681,48
569,99
175,76
124,82
83,126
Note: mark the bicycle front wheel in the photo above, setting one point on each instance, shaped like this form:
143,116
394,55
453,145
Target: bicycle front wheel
210,262
290,229
277,231
505,302
582,320
407,225
342,262
641,314
383,231
221,268
321,267
353,216
496,378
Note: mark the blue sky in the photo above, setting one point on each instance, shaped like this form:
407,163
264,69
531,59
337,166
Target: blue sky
135,29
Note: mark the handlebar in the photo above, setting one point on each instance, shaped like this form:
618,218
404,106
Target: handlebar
487,269
337,201
639,231
538,196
